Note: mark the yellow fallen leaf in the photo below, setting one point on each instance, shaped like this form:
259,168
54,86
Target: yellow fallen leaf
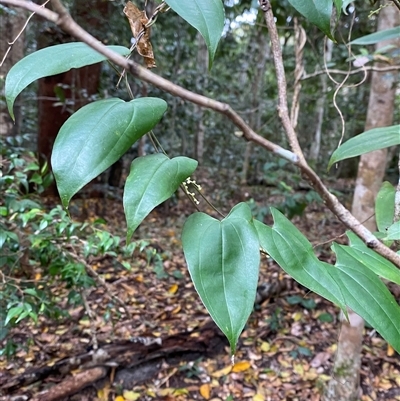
181,391
205,391
324,378
258,397
298,369
390,350
265,346
131,395
241,366
173,289
38,276
166,391
297,316
119,398
222,372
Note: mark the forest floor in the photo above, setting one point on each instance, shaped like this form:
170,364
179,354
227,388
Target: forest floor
286,351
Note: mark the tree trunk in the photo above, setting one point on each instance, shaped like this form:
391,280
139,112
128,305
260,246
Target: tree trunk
316,144
262,52
61,95
344,386
12,22
201,81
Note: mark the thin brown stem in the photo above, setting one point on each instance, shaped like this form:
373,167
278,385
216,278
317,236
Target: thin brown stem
396,3
280,74
65,22
352,72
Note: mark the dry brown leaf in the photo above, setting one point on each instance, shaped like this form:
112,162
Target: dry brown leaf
138,20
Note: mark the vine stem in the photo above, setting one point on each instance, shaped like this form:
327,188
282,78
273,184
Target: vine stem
61,17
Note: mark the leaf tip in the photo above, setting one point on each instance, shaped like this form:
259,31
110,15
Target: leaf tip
10,106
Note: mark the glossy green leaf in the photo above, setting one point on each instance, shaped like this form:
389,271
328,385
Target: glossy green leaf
50,61
318,12
384,206
367,296
294,254
96,136
339,6
393,232
223,258
207,16
368,141
151,181
372,260
387,34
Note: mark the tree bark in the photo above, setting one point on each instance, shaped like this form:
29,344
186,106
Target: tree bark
11,23
344,386
201,81
262,54
75,87
316,144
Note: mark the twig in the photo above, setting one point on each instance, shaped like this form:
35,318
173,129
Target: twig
11,44
65,22
301,39
352,72
396,3
283,110
91,318
329,199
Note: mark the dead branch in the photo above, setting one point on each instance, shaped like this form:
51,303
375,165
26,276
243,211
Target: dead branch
71,385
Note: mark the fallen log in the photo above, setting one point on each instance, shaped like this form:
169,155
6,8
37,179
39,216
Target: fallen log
132,361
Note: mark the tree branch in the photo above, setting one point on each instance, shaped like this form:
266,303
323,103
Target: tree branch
396,3
66,23
330,200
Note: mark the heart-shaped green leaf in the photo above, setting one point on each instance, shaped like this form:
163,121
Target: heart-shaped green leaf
368,296
50,61
318,12
374,139
223,259
96,136
294,253
207,16
151,181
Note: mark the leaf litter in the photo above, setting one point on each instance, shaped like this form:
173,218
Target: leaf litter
286,351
